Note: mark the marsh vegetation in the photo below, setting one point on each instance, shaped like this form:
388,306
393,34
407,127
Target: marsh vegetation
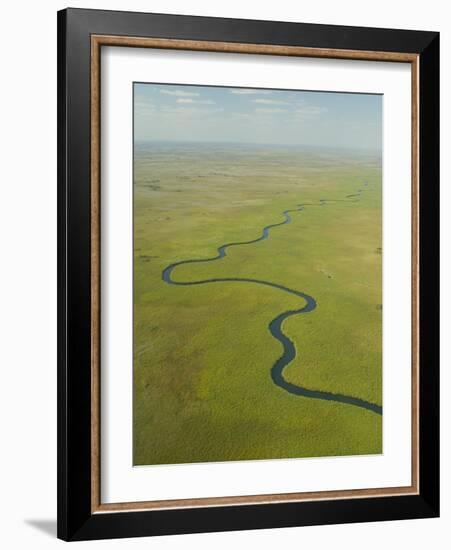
203,355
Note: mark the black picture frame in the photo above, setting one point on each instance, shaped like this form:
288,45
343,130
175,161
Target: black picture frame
76,521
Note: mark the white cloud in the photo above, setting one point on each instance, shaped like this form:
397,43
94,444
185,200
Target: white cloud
189,110
197,101
178,93
267,111
240,115
270,101
248,91
144,108
310,111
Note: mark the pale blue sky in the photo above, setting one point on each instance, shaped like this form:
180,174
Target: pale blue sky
169,112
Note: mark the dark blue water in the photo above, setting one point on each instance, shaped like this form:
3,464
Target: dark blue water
275,326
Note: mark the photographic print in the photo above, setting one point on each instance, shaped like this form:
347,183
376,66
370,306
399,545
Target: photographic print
228,357
257,274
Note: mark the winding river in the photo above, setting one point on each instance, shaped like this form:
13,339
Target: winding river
275,326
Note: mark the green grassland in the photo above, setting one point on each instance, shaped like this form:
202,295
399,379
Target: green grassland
203,354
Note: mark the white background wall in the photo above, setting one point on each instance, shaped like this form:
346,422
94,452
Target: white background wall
28,275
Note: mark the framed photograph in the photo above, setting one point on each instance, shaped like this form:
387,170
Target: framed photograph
248,274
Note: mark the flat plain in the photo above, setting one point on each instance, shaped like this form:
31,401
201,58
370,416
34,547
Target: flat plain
203,353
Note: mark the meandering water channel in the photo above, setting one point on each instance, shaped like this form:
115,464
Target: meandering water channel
276,325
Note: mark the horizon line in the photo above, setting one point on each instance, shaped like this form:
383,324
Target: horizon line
291,145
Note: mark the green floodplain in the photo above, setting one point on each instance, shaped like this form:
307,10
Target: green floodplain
203,353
